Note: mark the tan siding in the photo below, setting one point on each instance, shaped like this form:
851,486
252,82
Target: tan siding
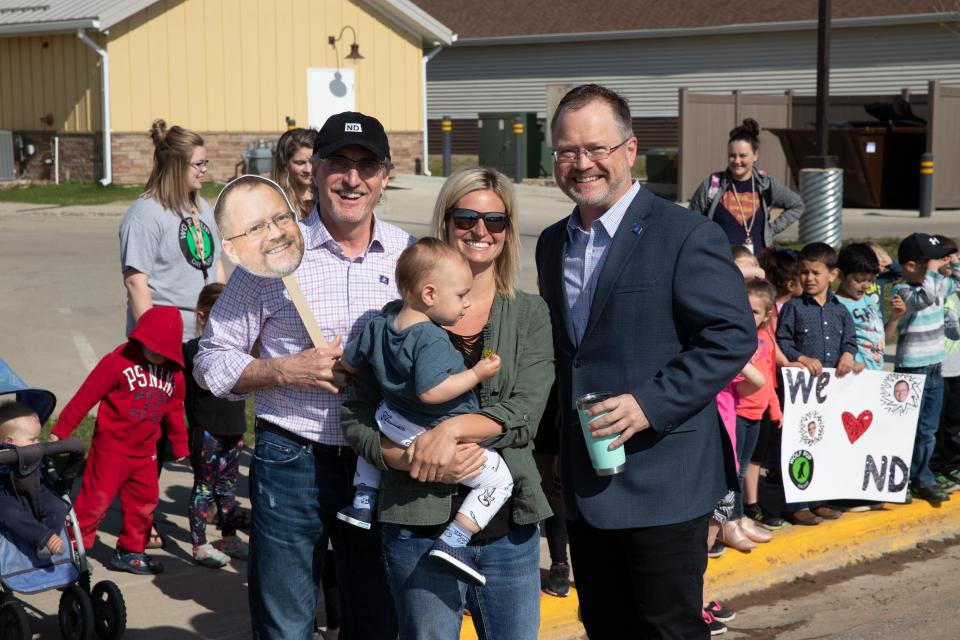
241,65
35,81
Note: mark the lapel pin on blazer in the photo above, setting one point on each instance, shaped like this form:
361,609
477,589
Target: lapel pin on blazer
636,228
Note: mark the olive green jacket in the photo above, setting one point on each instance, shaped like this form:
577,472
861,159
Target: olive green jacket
519,332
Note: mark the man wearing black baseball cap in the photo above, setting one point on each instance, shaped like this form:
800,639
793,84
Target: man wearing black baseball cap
302,467
931,273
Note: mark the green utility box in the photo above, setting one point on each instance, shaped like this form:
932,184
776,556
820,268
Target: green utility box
662,172
497,140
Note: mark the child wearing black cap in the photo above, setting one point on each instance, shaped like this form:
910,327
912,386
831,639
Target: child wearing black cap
920,345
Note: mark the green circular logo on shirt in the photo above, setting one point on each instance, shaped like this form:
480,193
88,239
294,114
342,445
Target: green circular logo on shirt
196,244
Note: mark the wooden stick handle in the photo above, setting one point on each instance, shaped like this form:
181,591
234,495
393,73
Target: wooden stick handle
303,308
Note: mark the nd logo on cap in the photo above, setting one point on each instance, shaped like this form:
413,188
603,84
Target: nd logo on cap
353,127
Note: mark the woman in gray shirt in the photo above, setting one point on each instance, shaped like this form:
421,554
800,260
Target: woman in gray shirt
169,244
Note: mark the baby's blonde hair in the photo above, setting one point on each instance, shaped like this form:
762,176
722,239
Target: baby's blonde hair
418,261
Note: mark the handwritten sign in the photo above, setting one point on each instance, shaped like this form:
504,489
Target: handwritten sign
849,437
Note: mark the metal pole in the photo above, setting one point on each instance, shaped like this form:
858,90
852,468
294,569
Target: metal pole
823,75
821,181
518,150
926,185
446,127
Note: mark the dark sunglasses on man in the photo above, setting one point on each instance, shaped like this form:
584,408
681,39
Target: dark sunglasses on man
466,219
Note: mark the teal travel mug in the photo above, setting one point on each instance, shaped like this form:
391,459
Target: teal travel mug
605,463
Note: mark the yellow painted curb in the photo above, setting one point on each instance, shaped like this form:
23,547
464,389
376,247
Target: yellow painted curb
854,537
793,552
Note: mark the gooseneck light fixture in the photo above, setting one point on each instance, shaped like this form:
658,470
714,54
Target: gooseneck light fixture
354,47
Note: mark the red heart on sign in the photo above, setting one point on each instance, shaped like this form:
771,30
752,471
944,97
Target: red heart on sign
856,426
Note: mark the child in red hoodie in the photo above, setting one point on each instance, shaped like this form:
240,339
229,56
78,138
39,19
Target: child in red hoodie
139,386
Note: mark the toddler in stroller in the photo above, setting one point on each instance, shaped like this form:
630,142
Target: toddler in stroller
36,553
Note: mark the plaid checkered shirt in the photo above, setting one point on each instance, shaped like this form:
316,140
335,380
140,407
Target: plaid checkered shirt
343,293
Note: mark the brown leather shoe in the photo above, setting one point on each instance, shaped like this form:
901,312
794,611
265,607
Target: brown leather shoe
804,517
732,536
827,513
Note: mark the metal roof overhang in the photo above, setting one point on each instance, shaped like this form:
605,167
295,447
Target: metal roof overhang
47,28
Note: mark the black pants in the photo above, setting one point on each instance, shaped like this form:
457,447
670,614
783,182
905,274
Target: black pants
642,583
946,453
555,526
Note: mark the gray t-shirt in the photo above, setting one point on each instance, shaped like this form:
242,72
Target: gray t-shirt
407,363
159,243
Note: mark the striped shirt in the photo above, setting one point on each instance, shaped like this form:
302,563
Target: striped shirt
921,338
585,254
343,294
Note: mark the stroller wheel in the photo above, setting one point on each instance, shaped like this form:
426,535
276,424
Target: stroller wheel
75,614
14,622
109,611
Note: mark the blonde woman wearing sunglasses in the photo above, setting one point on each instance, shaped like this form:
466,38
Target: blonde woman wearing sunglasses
476,215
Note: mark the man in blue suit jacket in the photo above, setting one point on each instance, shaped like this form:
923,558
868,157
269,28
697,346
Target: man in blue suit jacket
647,305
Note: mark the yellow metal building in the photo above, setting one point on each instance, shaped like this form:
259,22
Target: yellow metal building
232,70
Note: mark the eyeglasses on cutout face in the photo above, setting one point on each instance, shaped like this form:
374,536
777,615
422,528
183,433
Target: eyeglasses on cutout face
466,219
200,164
593,154
280,221
366,169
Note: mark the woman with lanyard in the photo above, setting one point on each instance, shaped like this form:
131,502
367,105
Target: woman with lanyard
293,170
169,247
740,198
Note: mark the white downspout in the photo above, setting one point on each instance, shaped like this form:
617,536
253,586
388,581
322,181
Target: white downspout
105,105
423,72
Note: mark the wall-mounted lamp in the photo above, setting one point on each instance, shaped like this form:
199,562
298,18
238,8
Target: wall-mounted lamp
354,47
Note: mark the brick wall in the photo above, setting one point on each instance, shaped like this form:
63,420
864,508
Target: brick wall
406,148
80,156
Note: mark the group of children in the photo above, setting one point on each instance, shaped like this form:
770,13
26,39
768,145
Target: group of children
142,392
817,309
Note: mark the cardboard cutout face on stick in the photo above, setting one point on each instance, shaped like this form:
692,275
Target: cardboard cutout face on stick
259,227
260,234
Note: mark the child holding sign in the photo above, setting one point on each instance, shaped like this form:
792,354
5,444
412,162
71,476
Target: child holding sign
816,331
920,347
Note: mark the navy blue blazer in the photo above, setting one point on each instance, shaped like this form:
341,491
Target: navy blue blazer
670,324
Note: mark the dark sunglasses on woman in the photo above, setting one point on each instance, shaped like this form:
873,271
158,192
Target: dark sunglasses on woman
466,219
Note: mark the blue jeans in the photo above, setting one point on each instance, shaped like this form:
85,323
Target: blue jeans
927,424
430,599
296,490
748,431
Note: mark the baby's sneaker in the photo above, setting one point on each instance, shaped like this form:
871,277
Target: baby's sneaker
362,518
458,560
233,547
206,555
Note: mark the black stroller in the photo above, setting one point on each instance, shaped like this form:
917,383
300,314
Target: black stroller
84,613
